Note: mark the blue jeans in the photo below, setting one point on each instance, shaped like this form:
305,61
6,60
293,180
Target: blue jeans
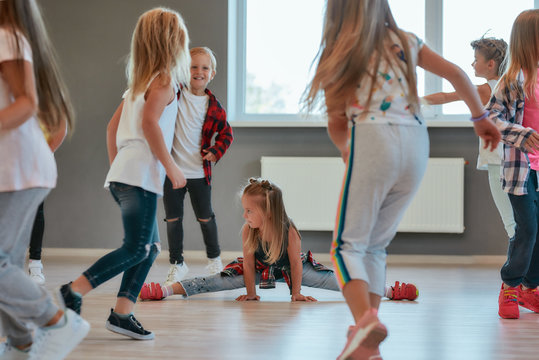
322,279
140,244
522,265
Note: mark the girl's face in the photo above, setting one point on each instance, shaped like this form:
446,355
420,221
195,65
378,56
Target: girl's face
201,73
251,212
481,65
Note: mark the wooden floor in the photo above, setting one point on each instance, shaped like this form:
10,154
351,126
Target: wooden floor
455,317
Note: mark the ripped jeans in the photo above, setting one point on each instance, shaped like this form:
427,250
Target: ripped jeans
140,244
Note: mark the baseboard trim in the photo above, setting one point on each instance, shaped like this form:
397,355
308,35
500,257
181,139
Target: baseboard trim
409,260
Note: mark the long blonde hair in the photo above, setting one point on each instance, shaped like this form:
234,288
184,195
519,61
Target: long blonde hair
24,17
269,199
159,45
353,43
523,54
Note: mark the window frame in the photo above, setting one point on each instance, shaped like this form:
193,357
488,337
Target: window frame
237,11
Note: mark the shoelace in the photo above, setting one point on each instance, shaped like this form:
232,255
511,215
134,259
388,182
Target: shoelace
171,274
510,295
136,322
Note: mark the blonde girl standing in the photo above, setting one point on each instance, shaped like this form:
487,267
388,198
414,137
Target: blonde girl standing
515,108
32,93
271,252
366,71
139,140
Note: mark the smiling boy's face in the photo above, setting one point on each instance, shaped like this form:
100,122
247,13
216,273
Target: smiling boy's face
201,73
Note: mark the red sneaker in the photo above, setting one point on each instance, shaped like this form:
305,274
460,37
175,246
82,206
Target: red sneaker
364,338
529,299
404,291
151,291
507,303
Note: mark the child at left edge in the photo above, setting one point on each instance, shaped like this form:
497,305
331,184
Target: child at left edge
202,136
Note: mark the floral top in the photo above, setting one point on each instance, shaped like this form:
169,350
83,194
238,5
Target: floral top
389,103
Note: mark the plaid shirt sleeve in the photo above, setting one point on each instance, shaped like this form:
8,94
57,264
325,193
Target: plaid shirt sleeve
506,110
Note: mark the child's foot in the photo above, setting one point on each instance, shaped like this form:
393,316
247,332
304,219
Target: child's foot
151,291
56,341
508,303
528,298
12,353
127,325
69,299
364,338
176,273
35,269
403,291
215,265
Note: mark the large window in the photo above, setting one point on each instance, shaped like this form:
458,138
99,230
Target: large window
272,45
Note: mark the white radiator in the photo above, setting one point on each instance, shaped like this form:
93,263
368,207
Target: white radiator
311,188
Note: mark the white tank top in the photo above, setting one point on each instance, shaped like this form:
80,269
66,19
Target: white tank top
135,164
485,155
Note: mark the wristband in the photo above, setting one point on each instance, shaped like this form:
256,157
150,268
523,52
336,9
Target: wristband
485,114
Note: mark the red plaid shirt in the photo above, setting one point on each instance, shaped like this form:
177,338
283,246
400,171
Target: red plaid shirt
214,123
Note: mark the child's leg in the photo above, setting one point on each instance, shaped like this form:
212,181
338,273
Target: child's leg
173,203
322,279
383,175
36,240
521,246
200,194
25,301
213,283
138,208
133,278
501,199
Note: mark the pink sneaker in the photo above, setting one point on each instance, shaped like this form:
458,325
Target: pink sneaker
529,299
364,338
404,291
151,291
507,303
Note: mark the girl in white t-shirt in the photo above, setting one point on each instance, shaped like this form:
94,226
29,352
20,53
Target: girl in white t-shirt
139,141
366,75
28,72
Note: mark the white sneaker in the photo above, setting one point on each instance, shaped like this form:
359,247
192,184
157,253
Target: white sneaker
35,269
8,352
176,273
56,341
215,265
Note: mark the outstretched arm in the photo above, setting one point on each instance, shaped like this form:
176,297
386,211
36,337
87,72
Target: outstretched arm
248,269
296,266
436,64
447,97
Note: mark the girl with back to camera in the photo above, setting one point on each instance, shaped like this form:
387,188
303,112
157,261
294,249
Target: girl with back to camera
32,94
366,75
139,140
271,252
515,108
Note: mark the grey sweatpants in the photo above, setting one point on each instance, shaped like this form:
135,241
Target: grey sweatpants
386,168
22,302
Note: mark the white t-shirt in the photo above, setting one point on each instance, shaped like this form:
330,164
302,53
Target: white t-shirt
389,103
486,156
27,160
192,111
135,164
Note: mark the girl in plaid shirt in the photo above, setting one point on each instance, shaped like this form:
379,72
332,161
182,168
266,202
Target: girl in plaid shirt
515,108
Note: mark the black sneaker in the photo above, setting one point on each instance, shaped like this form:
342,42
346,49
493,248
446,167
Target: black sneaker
128,326
68,299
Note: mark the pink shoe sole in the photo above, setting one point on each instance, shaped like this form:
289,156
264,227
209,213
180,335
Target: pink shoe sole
364,343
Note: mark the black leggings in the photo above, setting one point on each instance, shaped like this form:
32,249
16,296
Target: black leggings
36,240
